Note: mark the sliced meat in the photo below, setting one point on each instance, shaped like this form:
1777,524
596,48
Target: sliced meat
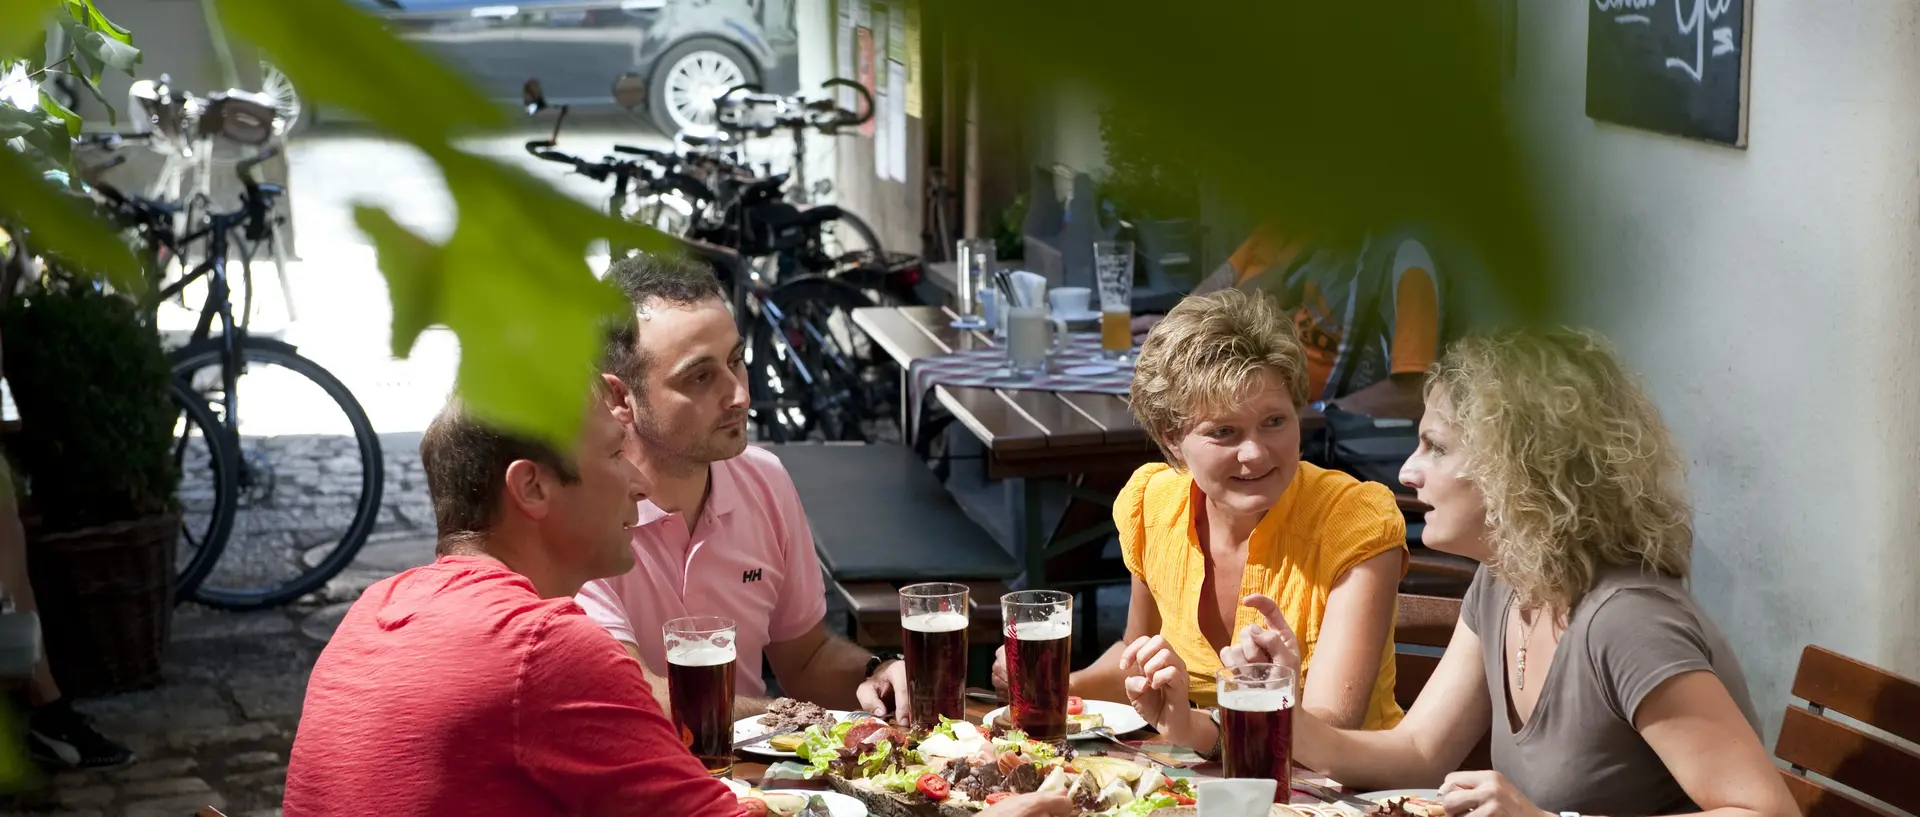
863,730
1025,779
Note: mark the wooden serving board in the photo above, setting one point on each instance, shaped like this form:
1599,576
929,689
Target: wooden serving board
894,804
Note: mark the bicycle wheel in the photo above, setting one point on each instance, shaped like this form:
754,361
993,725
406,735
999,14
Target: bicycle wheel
811,372
846,241
310,472
208,492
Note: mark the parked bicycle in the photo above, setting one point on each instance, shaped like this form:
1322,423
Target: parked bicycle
293,497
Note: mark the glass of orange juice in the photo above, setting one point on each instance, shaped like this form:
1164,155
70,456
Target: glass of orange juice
1113,269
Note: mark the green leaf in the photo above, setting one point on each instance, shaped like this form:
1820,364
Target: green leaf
21,21
100,49
113,116
530,315
338,55
411,265
53,107
86,12
63,224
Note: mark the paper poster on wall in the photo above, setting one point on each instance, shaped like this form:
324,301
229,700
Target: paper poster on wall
863,67
876,81
862,14
843,51
911,33
896,111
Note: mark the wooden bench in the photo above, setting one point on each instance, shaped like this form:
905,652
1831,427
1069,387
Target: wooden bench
1422,628
1838,753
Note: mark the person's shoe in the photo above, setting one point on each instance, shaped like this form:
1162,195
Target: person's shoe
59,736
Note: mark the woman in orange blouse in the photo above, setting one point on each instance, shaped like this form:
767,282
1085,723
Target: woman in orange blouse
1219,386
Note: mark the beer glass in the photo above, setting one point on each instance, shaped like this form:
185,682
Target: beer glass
1039,629
1256,722
933,621
700,653
1113,267
973,271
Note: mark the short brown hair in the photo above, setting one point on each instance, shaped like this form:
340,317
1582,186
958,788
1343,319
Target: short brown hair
1204,356
466,463
645,278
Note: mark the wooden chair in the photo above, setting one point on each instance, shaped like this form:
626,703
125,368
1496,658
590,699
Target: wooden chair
209,811
1421,631
1840,753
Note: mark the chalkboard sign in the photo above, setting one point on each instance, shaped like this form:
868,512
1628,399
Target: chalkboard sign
1675,66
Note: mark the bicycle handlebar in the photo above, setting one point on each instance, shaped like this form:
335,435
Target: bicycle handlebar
846,118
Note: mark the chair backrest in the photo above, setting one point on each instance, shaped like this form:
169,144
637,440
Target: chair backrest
1812,742
1421,630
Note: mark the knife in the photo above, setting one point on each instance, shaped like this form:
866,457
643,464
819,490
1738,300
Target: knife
1331,796
757,739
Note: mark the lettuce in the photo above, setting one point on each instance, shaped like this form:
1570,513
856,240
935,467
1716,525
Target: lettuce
902,781
822,746
1016,741
945,728
1146,805
876,762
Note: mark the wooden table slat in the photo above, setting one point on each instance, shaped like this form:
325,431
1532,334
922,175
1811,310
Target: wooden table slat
991,418
900,337
1064,425
1111,414
937,323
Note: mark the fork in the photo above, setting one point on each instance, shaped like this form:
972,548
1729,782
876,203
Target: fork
1106,733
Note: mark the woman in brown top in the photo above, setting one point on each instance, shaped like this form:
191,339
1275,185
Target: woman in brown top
1608,691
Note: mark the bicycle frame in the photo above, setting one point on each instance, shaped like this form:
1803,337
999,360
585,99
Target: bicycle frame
218,306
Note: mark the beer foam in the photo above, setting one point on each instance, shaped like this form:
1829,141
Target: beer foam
700,655
1057,627
945,621
1256,700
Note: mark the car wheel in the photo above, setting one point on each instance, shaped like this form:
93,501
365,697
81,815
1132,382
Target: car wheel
686,81
286,100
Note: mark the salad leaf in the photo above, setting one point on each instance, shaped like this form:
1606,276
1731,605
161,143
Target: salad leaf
823,741
901,781
874,763
1017,741
945,729
1146,805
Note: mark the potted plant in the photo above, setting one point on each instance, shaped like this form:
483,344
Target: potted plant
1153,192
94,461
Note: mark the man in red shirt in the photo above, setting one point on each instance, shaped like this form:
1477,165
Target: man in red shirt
474,685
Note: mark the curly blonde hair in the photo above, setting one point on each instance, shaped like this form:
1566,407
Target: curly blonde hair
1577,470
1208,354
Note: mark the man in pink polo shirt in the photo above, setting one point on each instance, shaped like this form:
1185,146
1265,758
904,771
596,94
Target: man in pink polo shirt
722,532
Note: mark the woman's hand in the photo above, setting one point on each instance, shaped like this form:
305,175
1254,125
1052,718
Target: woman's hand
1272,644
1485,794
1158,687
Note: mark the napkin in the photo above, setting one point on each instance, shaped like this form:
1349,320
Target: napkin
1030,288
1239,797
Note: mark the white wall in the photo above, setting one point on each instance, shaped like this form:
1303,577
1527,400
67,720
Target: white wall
1769,298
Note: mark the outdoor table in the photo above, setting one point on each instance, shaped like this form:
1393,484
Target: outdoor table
1088,441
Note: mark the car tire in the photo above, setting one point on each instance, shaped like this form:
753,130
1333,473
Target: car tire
695,62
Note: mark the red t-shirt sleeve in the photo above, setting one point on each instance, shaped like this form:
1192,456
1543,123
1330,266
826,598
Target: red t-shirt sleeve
586,729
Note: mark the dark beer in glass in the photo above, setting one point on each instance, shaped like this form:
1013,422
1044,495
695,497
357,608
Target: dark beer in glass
1039,632
1256,723
933,624
700,655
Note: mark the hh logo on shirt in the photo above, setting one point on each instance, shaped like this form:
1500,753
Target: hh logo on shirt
750,575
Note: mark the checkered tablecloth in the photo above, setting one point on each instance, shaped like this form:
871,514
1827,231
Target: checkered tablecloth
987,369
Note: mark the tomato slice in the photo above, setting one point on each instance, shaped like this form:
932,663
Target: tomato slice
933,786
1075,706
1180,798
998,796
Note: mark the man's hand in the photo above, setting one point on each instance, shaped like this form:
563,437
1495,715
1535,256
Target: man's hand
1000,684
1485,794
890,677
1272,644
1052,804
1157,685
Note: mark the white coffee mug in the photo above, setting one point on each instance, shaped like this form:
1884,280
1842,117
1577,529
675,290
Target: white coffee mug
1070,300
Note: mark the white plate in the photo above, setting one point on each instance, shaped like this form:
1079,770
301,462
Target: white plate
1391,794
1078,317
841,805
750,726
1119,717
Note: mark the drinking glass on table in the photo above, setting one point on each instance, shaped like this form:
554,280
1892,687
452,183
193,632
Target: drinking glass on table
1039,631
933,618
1113,271
1256,722
700,654
973,272
1032,335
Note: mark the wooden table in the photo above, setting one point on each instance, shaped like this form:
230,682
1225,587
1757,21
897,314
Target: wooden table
1089,441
